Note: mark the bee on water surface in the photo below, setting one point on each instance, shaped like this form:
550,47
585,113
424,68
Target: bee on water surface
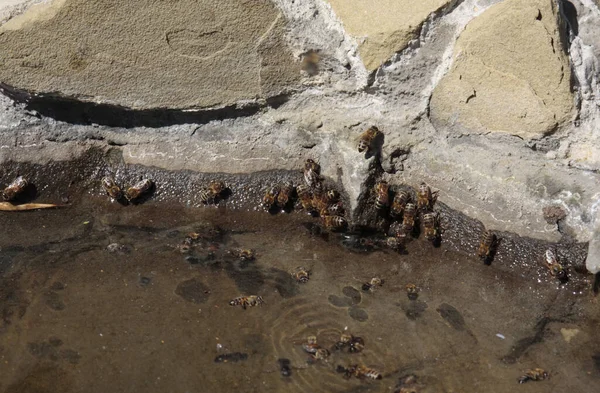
244,254
334,222
138,189
360,372
430,224
555,268
534,374
355,344
408,221
412,291
400,200
425,198
270,197
366,139
382,198
301,274
312,347
487,246
111,188
216,187
14,189
283,198
373,284
247,301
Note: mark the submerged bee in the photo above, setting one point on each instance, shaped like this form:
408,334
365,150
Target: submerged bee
301,274
360,372
139,189
354,344
371,285
270,197
312,172
535,374
367,138
334,222
556,269
111,188
382,199
243,254
400,200
412,291
305,197
430,224
311,346
247,301
14,189
284,195
487,246
425,198
408,221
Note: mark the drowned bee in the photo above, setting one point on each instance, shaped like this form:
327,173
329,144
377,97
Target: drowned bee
138,190
371,285
247,301
14,189
301,274
359,371
535,374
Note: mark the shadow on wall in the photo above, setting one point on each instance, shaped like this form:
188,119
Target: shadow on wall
74,111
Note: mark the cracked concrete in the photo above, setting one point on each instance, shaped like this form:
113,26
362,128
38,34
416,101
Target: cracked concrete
498,178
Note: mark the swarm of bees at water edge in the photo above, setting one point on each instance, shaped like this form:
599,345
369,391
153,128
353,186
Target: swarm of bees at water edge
138,190
213,193
314,349
366,140
301,274
487,247
535,374
373,284
14,189
247,301
359,371
555,268
354,344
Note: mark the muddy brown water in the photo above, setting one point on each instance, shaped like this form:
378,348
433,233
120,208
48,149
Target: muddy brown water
96,297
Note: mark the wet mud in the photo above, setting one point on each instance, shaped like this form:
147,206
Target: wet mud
98,296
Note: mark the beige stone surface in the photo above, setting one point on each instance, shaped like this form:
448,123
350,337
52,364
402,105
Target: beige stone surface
383,27
510,73
163,54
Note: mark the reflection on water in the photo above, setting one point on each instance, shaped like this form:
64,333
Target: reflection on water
103,297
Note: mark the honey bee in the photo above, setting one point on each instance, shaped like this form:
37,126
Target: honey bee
412,291
216,187
332,196
243,254
371,285
535,374
425,198
321,354
367,138
555,268
354,344
247,301
285,192
334,222
311,346
305,197
382,200
112,189
487,246
312,172
139,189
336,209
430,224
400,200
270,197
14,188
361,372
393,242
408,221
319,201
301,275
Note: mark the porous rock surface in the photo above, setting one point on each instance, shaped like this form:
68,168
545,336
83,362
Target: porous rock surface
487,158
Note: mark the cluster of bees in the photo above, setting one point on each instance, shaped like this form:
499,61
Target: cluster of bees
15,188
131,194
313,198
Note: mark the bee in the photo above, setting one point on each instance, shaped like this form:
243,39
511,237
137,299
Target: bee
270,197
535,374
111,188
14,188
321,354
319,201
393,242
408,221
284,194
140,188
312,172
371,285
332,196
243,254
360,372
400,200
311,346
334,222
555,268
301,275
412,291
354,344
216,187
430,223
425,198
305,197
247,301
382,199
367,138
487,246
336,209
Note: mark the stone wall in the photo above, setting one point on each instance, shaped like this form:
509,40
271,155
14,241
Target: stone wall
494,103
